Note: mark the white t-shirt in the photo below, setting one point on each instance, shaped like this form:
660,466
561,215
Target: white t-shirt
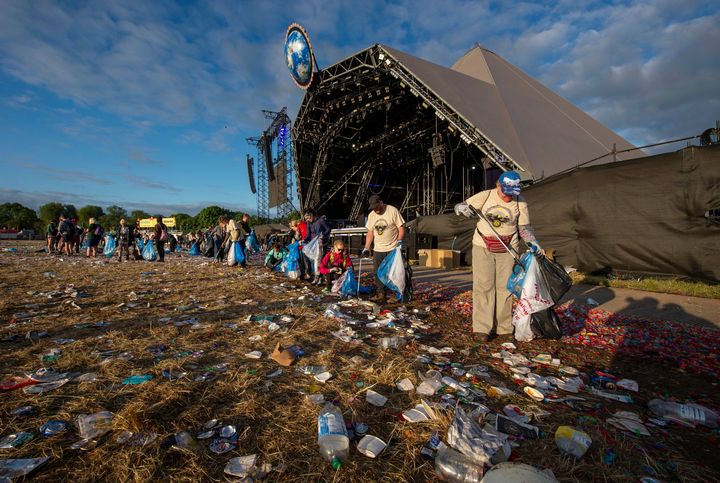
504,216
385,228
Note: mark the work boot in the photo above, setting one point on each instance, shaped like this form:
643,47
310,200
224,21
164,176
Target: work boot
502,338
481,337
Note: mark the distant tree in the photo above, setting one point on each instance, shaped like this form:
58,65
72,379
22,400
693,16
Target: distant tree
184,221
51,212
16,216
113,216
208,216
70,211
138,215
90,211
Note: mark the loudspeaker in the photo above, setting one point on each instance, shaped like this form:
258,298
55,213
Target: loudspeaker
251,176
267,151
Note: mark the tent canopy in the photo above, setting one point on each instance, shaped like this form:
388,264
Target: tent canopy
538,129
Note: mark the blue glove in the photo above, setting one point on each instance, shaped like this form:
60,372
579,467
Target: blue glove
536,248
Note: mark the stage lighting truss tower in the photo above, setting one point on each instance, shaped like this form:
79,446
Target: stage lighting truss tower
279,134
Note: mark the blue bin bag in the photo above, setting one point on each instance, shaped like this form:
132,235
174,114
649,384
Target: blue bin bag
392,272
149,253
110,246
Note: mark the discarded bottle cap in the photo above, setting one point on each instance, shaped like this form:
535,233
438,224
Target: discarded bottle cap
361,429
228,431
336,463
211,424
52,427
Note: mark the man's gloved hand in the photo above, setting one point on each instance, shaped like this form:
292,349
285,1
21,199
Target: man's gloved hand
537,249
463,209
335,270
365,253
399,243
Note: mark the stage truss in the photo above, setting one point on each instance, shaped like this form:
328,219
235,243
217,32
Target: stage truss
275,192
373,81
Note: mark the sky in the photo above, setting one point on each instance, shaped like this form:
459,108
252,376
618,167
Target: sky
148,104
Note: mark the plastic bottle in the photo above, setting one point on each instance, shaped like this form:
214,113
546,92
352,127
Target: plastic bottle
455,467
332,435
572,441
689,414
392,342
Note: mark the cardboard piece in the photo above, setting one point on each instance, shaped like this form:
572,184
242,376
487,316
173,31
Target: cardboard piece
282,356
439,258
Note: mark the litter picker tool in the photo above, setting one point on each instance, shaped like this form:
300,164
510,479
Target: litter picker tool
497,235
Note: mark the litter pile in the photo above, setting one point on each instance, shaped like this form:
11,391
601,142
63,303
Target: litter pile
198,371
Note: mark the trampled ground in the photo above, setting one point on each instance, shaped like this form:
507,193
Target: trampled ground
191,316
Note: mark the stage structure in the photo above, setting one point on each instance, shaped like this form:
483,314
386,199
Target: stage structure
424,136
274,166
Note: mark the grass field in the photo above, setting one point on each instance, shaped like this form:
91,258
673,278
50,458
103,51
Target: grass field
191,316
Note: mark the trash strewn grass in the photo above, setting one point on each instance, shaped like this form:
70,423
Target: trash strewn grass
146,304
651,284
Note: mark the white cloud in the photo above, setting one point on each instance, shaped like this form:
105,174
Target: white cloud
645,68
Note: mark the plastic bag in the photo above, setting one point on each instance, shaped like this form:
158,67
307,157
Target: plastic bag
194,250
466,436
149,253
313,250
236,255
338,283
527,284
292,261
546,324
556,279
140,245
252,242
347,285
110,246
392,272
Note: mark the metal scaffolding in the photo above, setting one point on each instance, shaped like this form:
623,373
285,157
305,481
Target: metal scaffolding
278,137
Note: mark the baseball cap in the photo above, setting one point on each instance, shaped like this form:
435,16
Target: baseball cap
510,183
373,201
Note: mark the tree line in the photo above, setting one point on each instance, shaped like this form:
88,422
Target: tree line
15,216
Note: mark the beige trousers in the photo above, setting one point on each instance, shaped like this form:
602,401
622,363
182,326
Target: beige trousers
492,302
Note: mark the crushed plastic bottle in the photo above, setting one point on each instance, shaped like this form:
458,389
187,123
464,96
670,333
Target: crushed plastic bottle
687,414
455,467
572,441
392,342
332,435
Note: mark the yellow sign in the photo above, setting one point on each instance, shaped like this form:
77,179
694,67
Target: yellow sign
151,222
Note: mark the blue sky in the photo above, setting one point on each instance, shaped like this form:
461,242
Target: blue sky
148,104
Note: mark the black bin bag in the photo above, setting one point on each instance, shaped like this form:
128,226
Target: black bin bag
546,324
555,277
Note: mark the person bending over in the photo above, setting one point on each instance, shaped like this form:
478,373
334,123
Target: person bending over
334,264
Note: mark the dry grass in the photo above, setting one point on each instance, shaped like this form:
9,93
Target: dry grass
275,421
677,286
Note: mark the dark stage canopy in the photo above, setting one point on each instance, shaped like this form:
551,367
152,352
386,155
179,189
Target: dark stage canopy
424,136
655,215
